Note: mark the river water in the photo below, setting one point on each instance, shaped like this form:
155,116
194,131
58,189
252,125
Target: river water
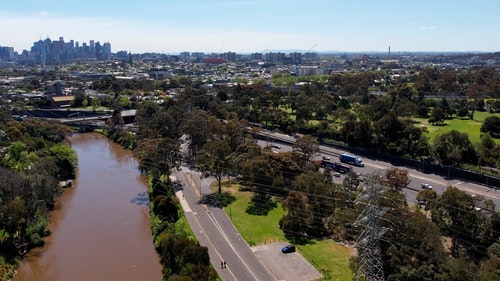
101,226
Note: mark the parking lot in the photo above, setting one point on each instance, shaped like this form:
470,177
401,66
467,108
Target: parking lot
290,267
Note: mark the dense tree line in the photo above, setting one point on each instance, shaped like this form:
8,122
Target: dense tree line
349,108
155,143
338,107
34,159
220,144
316,207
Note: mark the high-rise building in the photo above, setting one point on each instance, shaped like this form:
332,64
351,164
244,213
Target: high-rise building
229,56
256,56
295,57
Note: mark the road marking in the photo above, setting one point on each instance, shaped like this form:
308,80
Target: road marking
214,221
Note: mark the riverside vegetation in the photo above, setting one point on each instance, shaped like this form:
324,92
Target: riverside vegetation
35,158
459,242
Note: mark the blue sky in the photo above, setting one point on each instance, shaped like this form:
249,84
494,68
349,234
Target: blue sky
245,26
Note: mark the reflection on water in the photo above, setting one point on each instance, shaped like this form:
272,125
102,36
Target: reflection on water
101,226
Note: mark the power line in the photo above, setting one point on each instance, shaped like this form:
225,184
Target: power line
370,264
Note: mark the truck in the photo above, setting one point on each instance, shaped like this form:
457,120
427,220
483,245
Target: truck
335,166
351,159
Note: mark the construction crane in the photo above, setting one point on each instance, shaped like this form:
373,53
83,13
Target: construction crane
310,49
297,62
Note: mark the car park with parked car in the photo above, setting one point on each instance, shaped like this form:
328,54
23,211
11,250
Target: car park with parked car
288,249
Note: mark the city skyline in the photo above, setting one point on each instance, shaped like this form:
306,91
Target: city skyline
245,26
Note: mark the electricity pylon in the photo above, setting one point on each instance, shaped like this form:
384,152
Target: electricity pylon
370,266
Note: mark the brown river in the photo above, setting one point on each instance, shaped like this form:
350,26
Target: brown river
101,225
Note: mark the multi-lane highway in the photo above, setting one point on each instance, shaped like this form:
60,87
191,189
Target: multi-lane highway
417,178
213,228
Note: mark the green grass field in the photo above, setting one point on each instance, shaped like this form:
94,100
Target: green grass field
472,127
330,258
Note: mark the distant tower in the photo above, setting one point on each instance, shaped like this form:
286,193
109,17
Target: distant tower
389,53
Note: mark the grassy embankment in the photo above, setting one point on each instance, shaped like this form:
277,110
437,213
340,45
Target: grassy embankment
472,127
330,258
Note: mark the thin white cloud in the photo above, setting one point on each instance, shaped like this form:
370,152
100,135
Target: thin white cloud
424,27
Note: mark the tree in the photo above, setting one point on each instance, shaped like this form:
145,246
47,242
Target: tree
298,215
305,147
259,173
213,159
491,125
159,155
455,214
454,147
437,116
66,160
413,141
95,102
462,112
488,152
423,111
397,178
427,197
357,133
389,133
320,198
411,247
201,128
79,98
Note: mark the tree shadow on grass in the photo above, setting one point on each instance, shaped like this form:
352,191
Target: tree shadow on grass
217,200
298,239
261,204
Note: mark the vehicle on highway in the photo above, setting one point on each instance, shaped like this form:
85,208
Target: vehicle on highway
337,167
426,186
336,174
351,159
326,157
275,146
288,249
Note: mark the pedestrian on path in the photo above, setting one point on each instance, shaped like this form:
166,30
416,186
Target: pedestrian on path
221,264
224,264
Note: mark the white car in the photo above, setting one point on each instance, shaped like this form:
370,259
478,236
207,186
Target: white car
426,186
326,157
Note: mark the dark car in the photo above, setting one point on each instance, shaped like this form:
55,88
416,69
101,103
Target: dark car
288,249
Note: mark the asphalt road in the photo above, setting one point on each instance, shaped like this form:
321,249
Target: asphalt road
438,182
214,230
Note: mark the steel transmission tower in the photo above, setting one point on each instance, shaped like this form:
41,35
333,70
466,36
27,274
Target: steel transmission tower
370,267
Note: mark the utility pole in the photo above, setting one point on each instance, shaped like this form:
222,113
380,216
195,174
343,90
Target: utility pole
370,266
